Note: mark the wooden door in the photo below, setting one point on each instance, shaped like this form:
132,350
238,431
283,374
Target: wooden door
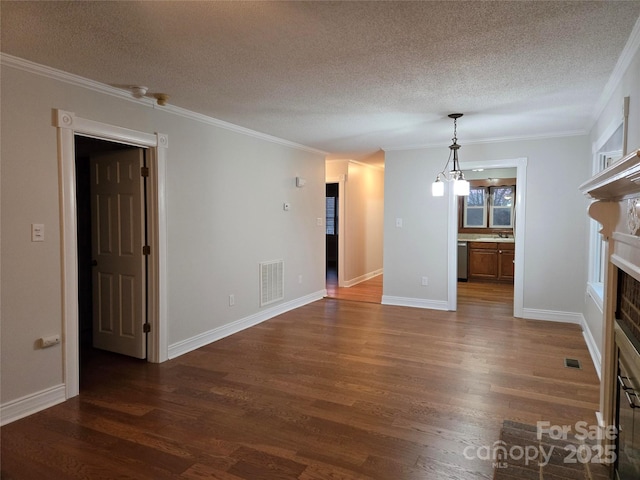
117,234
506,257
483,261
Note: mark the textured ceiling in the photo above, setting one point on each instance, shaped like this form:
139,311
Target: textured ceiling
348,78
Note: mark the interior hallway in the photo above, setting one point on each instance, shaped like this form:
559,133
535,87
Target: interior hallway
369,291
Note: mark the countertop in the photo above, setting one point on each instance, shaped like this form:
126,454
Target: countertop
488,239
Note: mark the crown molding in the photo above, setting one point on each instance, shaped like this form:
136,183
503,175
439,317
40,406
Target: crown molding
69,78
76,80
628,52
183,112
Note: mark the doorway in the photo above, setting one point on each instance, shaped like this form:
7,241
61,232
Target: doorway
518,232
357,239
332,202
485,237
112,270
68,127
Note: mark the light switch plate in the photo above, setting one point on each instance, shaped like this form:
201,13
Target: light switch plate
37,232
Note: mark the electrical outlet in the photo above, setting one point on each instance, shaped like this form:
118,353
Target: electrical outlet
319,221
425,281
232,300
398,222
299,278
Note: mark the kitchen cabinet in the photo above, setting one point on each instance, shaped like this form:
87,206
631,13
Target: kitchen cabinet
492,261
506,258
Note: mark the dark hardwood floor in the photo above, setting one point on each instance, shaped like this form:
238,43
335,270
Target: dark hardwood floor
333,390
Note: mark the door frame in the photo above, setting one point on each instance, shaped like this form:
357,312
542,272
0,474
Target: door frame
518,232
68,126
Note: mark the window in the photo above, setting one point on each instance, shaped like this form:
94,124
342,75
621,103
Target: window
332,215
475,208
489,207
598,260
501,209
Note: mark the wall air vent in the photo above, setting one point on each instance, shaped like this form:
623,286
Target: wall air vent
271,282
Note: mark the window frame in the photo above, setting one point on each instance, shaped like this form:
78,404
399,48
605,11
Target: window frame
487,183
597,247
483,207
493,207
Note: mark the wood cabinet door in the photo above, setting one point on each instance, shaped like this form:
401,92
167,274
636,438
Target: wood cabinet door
505,264
483,263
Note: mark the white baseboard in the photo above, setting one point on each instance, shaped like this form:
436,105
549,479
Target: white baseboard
30,404
197,341
362,278
415,302
569,317
552,316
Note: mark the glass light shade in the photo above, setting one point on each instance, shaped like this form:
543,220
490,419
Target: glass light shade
437,188
461,187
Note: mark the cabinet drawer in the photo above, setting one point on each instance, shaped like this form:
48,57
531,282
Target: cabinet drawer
483,245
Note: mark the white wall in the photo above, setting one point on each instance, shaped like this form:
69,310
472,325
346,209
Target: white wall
363,222
628,85
555,250
225,192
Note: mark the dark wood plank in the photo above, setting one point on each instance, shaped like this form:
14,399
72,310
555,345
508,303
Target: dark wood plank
333,390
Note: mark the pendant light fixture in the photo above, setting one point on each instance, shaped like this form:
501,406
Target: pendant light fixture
455,175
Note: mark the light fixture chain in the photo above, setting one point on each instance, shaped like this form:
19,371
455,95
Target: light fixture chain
460,184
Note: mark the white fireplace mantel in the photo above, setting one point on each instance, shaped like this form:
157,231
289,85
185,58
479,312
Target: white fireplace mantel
616,195
618,182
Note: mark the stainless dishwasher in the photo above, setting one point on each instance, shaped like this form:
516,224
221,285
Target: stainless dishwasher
462,261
